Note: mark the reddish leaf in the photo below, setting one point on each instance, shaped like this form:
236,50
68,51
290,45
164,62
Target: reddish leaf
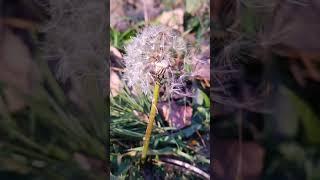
177,116
294,33
115,83
226,161
17,70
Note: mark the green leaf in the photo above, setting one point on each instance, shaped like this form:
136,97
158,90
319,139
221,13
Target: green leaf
286,116
202,98
191,130
113,177
309,119
293,152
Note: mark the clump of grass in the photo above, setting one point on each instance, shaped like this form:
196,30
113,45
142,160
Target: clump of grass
127,131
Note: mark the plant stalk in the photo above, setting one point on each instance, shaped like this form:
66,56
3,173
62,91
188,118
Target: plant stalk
152,116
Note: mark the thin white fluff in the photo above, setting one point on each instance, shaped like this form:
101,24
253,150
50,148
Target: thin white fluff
164,43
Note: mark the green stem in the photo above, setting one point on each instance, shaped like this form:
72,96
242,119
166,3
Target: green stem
151,121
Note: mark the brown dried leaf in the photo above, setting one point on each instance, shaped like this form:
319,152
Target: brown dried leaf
190,37
294,33
226,162
116,57
173,19
125,12
141,116
178,116
115,83
296,26
89,163
17,70
114,51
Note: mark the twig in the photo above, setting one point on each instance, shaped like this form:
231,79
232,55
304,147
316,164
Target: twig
117,69
122,144
145,13
186,166
19,23
202,141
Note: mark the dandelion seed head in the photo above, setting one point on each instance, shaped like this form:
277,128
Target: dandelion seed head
156,49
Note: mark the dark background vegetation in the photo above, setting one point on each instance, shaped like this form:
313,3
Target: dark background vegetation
52,119
265,89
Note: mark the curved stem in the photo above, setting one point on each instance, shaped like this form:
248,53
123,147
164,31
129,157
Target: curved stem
152,116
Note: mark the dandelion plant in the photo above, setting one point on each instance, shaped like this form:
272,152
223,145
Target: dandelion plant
156,58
